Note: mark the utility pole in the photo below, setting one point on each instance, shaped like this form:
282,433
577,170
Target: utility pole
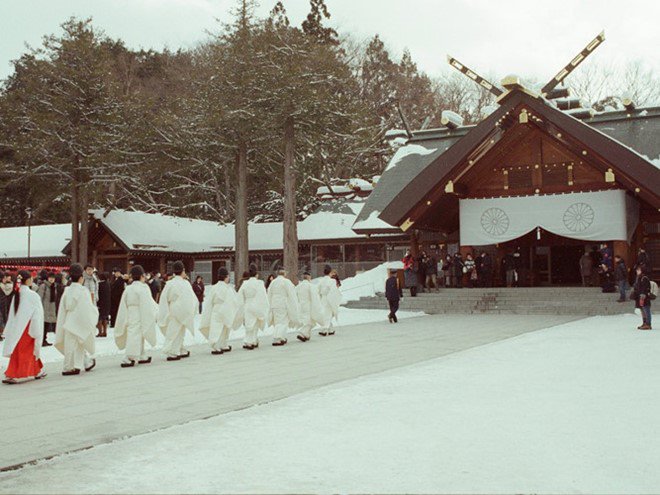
28,212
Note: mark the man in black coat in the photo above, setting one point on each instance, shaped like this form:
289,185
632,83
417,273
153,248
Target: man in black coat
392,295
116,291
486,270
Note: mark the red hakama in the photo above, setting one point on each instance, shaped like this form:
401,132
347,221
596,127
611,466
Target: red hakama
22,363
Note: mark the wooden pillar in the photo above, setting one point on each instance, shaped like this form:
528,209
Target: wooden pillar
625,250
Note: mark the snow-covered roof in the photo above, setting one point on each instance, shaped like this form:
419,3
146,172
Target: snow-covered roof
152,231
46,241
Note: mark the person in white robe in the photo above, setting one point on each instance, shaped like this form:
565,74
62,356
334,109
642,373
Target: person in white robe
76,325
254,299
176,313
24,333
330,301
311,312
284,309
136,320
222,313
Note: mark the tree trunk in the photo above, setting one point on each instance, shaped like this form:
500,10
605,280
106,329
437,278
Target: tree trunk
241,230
290,226
75,220
83,257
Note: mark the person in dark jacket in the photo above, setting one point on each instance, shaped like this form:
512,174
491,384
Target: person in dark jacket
642,258
621,277
642,296
431,273
458,266
607,279
392,295
103,304
487,269
6,291
198,289
116,291
155,286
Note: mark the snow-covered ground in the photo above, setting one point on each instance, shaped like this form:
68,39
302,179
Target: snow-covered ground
570,409
367,283
107,347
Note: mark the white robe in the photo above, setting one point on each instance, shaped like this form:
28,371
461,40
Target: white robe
283,302
76,325
255,303
309,300
30,310
330,300
136,320
222,312
176,313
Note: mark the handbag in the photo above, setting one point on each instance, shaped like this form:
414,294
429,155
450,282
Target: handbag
465,270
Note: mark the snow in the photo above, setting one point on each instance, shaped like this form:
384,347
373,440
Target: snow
372,222
569,409
45,241
408,150
107,347
368,283
152,231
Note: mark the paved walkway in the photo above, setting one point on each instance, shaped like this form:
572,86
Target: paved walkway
62,414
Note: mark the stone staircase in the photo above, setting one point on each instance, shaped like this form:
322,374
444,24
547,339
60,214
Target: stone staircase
524,300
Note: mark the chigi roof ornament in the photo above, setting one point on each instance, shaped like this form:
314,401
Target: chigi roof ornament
511,82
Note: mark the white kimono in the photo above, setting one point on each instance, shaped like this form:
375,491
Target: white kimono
76,327
136,321
255,308
30,311
176,312
222,313
284,310
311,311
330,301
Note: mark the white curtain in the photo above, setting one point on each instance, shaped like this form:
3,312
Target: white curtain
594,216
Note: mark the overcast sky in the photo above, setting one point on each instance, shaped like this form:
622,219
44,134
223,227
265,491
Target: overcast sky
532,38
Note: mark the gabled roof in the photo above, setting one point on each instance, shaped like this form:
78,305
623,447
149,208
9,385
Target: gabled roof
629,142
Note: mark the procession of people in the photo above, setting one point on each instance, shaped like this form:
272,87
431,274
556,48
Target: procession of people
136,315
75,304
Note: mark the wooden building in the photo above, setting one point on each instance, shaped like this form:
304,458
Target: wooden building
551,182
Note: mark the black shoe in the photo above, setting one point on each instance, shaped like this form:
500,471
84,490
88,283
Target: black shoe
10,381
46,344
249,347
323,334
302,338
72,372
145,361
246,346
40,376
216,352
183,356
395,319
390,318
331,333
173,358
279,343
128,365
91,366
227,349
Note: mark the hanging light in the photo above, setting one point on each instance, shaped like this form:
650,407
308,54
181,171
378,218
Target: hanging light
538,233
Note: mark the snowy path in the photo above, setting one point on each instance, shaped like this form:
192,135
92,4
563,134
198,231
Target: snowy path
61,414
569,409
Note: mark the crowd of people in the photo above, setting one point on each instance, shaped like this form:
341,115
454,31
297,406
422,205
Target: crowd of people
426,273
78,305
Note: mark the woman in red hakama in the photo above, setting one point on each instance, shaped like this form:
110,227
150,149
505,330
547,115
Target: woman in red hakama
24,333
23,363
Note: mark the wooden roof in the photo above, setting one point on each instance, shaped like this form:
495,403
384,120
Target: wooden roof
622,141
